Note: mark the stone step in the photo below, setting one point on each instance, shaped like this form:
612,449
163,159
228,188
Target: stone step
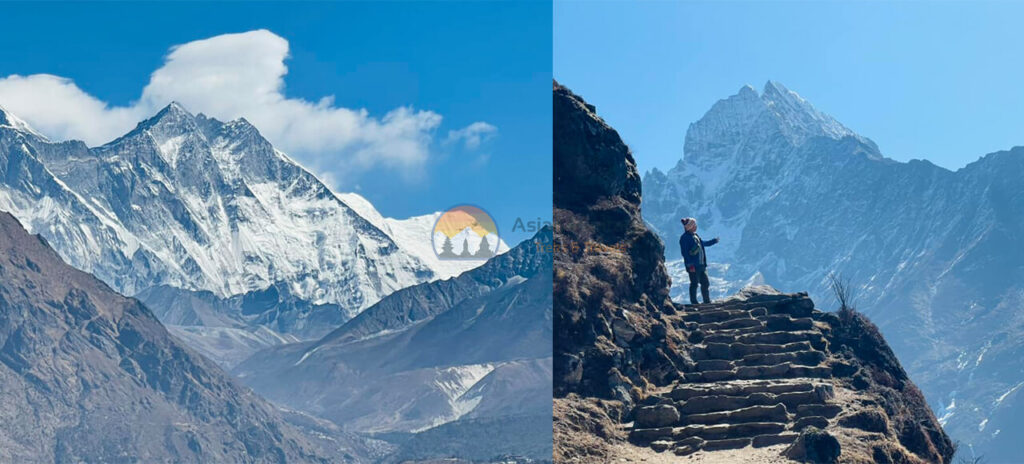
716,315
740,323
715,403
802,358
710,376
775,371
715,365
744,349
770,323
685,450
785,322
685,391
762,441
650,435
659,415
759,302
689,445
734,351
776,413
814,337
794,308
809,421
734,332
695,434
824,410
711,445
661,445
720,431
727,443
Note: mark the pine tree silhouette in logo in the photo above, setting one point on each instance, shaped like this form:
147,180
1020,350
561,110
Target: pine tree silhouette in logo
465,249
446,249
485,250
467,222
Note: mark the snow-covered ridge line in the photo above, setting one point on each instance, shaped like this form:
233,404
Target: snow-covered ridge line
194,203
414,235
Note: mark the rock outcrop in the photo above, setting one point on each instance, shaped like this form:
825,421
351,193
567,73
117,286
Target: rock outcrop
609,271
758,376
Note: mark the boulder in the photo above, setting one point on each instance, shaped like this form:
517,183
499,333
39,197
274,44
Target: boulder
815,446
656,416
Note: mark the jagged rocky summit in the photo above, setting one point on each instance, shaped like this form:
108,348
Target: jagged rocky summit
757,377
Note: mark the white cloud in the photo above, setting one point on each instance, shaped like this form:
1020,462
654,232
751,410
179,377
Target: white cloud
231,76
59,109
472,135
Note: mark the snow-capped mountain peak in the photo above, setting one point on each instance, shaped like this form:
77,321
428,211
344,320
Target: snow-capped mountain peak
9,120
414,234
746,120
190,202
172,119
798,119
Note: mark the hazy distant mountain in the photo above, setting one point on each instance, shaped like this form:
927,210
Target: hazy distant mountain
933,253
476,347
87,375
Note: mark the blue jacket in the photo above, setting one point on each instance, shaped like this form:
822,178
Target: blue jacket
692,248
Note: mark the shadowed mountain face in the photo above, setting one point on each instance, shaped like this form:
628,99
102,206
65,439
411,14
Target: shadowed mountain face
434,360
87,375
610,275
760,377
933,253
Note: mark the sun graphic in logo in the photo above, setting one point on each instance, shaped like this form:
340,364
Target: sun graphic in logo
465,232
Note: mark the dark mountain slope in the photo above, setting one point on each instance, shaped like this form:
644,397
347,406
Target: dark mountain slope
89,375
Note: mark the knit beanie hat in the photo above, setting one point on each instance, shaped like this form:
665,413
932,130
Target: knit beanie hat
689,222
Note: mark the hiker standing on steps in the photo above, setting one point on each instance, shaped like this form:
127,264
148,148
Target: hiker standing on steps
696,261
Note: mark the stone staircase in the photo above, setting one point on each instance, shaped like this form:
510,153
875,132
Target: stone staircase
761,374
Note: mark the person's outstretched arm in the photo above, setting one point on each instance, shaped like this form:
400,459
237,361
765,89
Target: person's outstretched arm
711,242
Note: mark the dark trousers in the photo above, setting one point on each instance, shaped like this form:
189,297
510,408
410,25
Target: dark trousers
699,277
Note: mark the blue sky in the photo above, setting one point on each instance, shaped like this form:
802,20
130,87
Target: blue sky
933,80
467,63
